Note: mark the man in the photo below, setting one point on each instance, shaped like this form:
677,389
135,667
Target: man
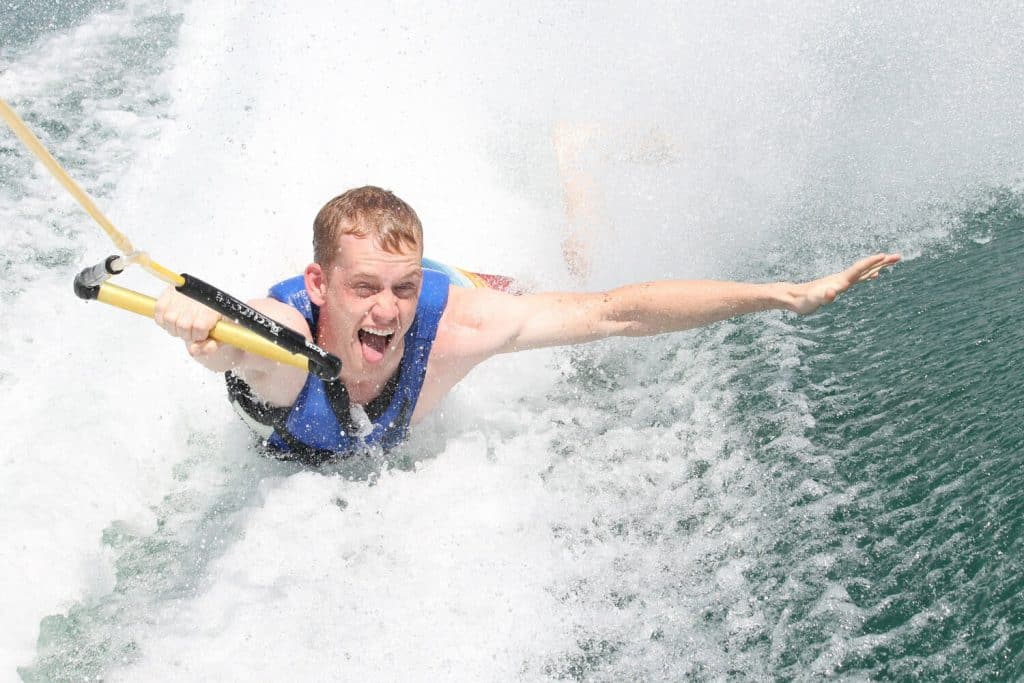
405,336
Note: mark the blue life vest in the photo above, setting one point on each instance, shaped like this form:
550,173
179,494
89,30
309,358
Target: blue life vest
312,430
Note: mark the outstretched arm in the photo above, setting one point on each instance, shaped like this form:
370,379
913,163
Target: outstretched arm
485,323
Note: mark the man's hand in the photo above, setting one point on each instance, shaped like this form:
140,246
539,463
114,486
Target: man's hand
810,296
189,320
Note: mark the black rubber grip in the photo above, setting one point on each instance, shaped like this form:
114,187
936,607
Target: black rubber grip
324,365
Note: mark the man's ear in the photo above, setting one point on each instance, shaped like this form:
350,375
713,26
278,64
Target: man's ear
316,284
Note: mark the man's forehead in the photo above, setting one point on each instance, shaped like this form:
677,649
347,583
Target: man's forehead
355,253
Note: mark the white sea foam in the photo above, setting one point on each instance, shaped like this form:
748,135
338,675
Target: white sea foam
75,456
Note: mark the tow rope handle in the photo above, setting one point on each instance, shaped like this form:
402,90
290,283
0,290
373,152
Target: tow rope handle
324,365
245,327
252,331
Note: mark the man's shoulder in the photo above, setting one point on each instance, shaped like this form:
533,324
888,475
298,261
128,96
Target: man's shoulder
474,306
476,322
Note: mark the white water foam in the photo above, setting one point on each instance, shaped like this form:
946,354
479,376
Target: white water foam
75,457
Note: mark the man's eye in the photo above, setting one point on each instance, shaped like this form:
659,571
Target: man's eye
405,290
363,289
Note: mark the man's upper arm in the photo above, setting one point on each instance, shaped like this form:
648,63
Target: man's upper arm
482,323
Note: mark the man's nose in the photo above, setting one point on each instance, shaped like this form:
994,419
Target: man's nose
385,308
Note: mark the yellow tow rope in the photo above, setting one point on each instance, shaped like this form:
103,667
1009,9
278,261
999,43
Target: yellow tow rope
120,240
224,331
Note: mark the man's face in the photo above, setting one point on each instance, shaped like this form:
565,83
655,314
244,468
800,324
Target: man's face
367,298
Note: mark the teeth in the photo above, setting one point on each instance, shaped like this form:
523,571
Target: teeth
379,333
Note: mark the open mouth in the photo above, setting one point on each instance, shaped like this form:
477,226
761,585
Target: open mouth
374,343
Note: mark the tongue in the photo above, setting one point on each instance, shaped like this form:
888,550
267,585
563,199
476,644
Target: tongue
373,346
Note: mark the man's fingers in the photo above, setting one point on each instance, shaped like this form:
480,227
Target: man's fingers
204,347
868,268
865,263
195,324
193,328
179,324
161,307
872,274
181,317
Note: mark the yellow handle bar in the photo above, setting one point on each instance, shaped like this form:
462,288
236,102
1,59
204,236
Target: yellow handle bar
224,331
